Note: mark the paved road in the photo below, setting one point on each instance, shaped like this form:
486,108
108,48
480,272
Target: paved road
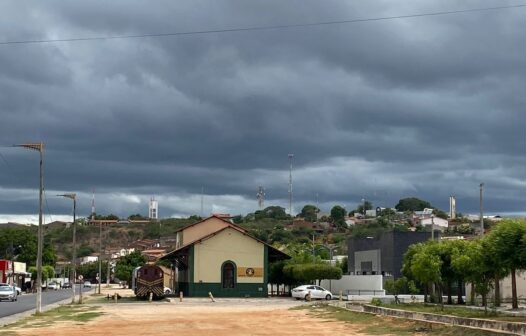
28,301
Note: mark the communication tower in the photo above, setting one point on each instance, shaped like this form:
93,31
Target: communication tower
153,211
261,197
452,207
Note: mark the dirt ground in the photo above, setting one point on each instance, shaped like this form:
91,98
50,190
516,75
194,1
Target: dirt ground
199,317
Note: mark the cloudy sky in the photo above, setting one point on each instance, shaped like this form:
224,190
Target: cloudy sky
425,106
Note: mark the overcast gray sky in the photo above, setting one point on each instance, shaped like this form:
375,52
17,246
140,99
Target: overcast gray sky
426,106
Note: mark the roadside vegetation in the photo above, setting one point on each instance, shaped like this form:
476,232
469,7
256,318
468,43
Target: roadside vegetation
481,262
76,313
369,324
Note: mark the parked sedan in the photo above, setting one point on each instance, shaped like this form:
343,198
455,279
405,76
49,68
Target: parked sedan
8,293
87,284
316,292
52,285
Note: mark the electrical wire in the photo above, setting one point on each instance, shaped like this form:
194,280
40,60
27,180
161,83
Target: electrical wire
260,28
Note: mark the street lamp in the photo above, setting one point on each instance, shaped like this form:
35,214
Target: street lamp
73,196
40,148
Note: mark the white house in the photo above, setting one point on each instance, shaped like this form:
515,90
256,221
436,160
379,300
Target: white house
88,259
439,223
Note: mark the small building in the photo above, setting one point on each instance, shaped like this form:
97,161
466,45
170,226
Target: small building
88,259
437,222
154,254
216,256
6,270
381,255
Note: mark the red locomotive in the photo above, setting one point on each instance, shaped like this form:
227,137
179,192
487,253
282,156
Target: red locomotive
148,279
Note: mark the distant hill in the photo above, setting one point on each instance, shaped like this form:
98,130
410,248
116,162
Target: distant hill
13,225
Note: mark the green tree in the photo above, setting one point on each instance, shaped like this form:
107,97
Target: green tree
507,244
90,271
278,277
126,265
275,212
137,217
84,250
412,204
309,212
400,286
344,265
48,272
338,215
476,266
312,272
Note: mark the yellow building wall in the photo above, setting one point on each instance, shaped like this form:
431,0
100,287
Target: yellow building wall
232,245
202,229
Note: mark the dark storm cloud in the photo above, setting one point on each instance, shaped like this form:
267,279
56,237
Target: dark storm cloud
423,107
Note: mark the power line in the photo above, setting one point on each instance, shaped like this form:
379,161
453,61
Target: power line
259,28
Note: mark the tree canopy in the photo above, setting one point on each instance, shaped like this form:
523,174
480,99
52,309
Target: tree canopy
126,265
275,212
309,212
412,204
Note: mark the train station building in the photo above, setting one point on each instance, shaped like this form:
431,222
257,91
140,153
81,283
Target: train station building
217,256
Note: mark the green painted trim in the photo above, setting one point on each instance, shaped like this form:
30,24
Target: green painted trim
191,265
265,265
241,290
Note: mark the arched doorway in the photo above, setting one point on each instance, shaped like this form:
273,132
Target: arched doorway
228,272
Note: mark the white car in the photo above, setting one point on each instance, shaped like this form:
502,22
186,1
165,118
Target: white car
8,293
167,291
316,292
52,285
18,289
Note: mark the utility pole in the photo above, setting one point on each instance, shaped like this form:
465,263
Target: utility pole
100,255
291,157
73,274
317,207
432,227
40,148
481,211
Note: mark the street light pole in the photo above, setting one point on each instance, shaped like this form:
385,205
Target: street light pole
100,255
432,227
40,148
73,275
481,212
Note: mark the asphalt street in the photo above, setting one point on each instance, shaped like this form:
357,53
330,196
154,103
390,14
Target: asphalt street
28,301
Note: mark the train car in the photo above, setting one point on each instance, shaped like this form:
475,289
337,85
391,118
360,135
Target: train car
148,279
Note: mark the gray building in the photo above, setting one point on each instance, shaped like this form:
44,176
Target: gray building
381,255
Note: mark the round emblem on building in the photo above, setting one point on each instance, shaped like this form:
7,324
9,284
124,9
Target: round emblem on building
250,271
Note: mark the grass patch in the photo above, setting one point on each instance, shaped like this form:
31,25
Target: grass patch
104,300
75,313
375,325
459,311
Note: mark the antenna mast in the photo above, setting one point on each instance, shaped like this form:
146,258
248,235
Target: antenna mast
261,197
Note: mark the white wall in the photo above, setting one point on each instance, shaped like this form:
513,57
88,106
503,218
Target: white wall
354,283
